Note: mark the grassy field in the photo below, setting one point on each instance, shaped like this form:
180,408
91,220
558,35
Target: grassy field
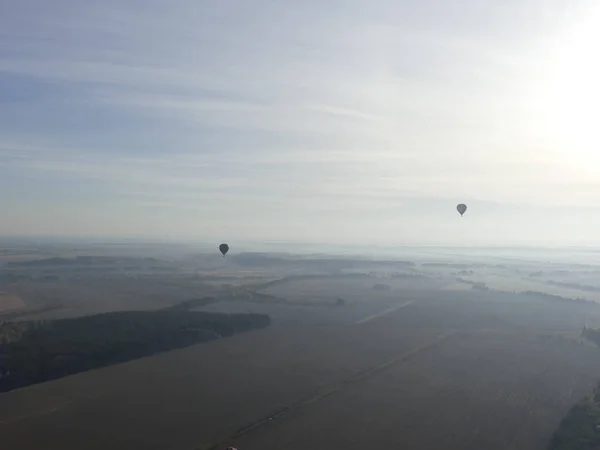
447,397
10,301
451,370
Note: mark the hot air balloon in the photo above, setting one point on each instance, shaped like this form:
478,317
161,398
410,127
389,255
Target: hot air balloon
224,248
461,208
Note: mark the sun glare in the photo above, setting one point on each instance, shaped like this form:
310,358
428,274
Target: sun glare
573,92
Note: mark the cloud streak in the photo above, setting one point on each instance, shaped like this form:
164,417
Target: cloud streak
309,113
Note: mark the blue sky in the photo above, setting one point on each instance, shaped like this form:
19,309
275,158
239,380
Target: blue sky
323,121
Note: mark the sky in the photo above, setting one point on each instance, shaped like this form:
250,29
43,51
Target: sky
330,121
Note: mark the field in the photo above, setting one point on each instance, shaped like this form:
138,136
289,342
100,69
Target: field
402,363
10,301
467,368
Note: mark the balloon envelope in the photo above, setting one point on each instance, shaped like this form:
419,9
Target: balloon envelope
224,248
461,208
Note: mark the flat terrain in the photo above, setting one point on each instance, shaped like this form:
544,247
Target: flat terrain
449,396
437,349
10,301
428,369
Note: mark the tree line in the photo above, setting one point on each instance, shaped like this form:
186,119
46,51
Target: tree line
45,351
580,429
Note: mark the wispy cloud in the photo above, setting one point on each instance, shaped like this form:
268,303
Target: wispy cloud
305,113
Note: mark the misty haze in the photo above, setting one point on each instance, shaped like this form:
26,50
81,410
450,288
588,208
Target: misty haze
155,346
299,225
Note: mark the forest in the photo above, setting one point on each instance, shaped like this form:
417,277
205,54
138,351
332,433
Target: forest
580,429
34,352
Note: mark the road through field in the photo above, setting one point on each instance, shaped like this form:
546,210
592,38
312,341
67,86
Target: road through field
362,376
452,397
484,385
383,313
182,398
374,373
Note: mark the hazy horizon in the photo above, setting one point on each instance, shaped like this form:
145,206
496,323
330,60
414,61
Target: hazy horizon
559,254
339,122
